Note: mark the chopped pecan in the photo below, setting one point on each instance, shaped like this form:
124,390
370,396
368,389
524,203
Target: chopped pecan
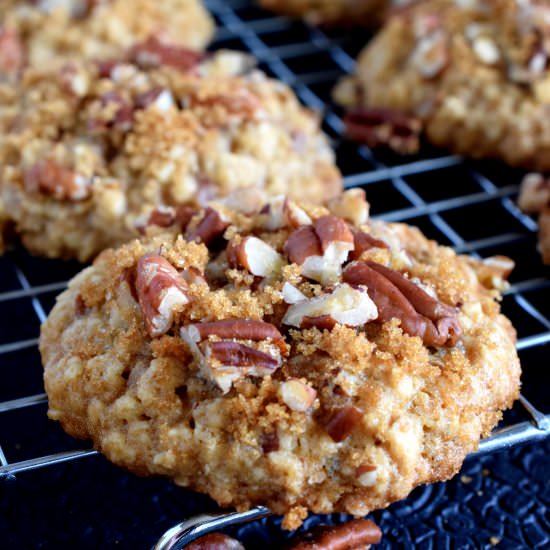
357,534
346,305
12,57
161,292
291,295
363,242
534,193
492,272
255,256
233,354
367,475
351,205
384,127
163,216
302,244
209,228
283,212
74,79
322,249
397,297
159,97
297,395
215,541
115,112
343,422
56,181
233,360
239,329
154,53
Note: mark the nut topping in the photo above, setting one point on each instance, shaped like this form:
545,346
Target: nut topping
158,97
233,354
161,292
322,249
493,272
343,422
367,475
224,361
357,534
154,53
209,228
283,212
255,256
363,242
291,295
346,305
351,205
397,297
297,395
384,127
302,244
56,181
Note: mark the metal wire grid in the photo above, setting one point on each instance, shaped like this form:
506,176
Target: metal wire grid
469,206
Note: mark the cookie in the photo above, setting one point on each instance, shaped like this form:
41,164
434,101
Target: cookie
302,358
90,153
472,77
348,12
534,198
35,32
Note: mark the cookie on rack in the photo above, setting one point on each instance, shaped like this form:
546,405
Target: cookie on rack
303,358
348,12
534,198
90,152
471,76
35,32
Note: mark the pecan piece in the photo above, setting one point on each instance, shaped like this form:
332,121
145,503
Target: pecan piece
255,256
56,181
363,242
346,305
209,228
225,361
12,57
154,53
322,249
283,212
233,354
343,422
158,97
357,534
297,395
367,475
161,292
115,112
384,127
215,541
397,297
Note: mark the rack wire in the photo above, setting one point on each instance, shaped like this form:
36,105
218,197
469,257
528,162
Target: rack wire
467,205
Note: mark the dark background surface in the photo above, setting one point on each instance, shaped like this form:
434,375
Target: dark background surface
501,499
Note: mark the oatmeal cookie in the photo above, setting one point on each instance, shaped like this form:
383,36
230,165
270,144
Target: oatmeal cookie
302,358
472,76
35,32
534,198
348,12
89,153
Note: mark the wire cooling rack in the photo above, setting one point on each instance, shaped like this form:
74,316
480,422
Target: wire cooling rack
467,205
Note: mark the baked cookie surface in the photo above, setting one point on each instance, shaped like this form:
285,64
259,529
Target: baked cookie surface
306,359
36,32
472,76
89,152
365,12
